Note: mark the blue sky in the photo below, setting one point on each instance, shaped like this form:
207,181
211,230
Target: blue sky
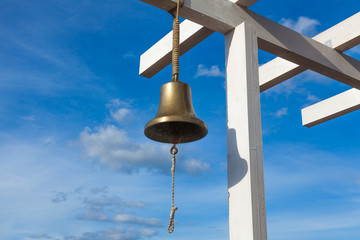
75,165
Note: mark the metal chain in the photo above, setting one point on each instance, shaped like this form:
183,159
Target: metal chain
173,151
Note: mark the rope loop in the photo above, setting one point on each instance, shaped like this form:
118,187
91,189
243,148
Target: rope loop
171,222
173,150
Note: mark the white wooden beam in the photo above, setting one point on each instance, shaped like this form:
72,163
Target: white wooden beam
341,37
191,34
159,56
331,108
223,16
247,212
308,53
218,15
244,3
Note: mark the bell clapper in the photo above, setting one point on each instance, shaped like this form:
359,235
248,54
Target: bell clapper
173,151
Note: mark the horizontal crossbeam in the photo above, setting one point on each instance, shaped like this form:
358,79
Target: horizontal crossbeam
159,56
244,3
331,108
191,34
341,37
273,37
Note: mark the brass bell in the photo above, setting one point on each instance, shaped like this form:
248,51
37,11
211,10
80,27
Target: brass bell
175,121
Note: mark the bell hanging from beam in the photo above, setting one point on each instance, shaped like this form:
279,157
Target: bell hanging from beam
175,121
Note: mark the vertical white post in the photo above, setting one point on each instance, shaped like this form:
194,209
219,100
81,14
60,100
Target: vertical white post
247,213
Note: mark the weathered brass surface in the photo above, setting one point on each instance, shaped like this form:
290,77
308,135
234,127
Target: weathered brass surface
175,121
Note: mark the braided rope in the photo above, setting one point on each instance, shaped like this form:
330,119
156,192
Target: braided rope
175,69
176,42
176,49
173,151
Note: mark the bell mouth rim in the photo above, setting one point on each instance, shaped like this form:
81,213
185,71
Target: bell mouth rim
186,119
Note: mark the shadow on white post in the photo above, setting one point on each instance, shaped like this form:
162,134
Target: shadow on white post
247,212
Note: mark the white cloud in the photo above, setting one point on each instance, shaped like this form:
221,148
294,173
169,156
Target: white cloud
93,216
295,85
59,197
29,118
355,199
98,190
303,25
103,202
288,87
48,141
112,148
120,114
120,110
129,55
116,102
113,201
213,71
148,232
78,190
117,233
311,76
63,196
281,112
312,98
102,209
194,166
40,236
130,219
41,53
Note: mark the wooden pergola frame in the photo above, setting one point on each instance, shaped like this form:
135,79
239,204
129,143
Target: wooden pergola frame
245,32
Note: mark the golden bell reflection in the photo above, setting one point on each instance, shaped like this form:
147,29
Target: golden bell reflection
175,121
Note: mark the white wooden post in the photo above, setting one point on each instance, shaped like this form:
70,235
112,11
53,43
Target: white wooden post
247,212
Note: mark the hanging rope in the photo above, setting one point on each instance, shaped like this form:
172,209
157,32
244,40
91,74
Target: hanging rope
176,41
173,151
175,77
